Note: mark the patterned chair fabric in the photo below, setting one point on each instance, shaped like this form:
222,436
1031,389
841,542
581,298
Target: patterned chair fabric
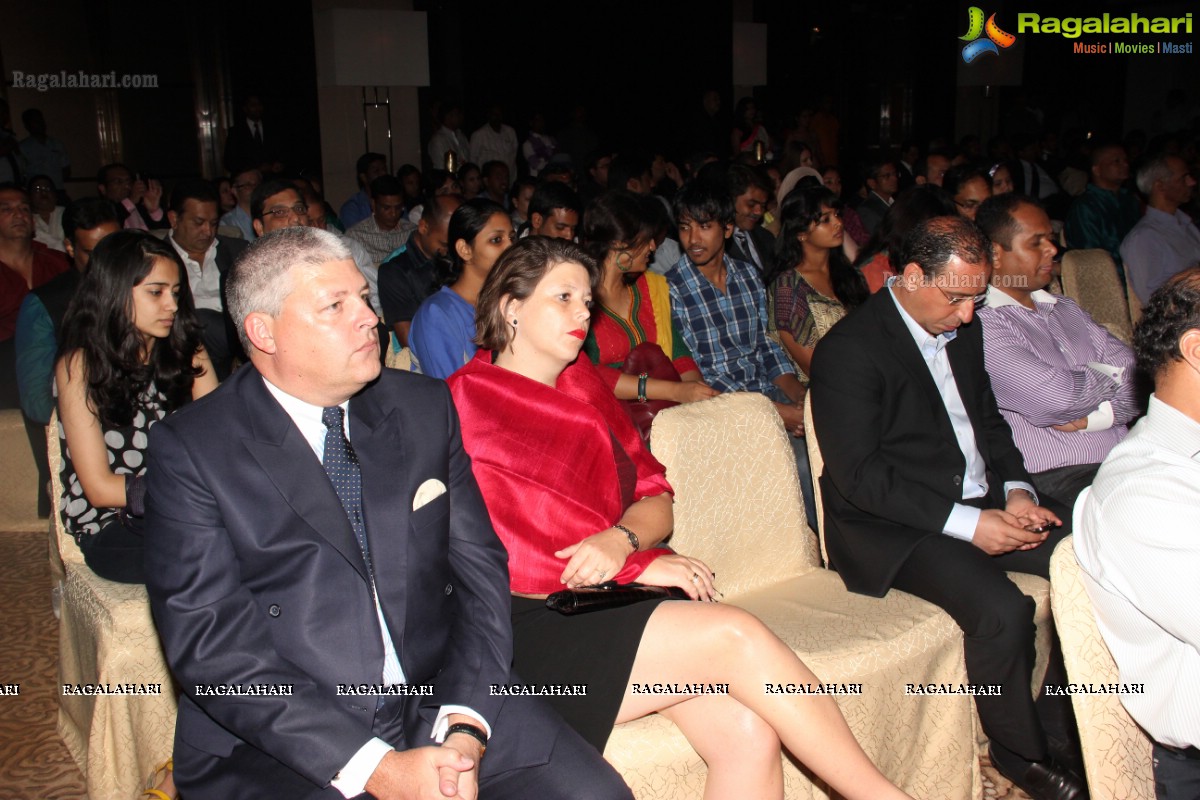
106,636
1032,585
1089,277
738,508
1116,752
397,359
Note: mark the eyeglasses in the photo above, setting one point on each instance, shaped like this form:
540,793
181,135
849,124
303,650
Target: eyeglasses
958,299
245,185
279,212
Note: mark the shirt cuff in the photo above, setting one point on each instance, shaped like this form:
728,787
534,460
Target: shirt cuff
351,779
1115,374
962,522
442,723
1101,419
1010,485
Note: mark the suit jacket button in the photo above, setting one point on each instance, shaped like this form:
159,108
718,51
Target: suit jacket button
273,610
958,480
449,588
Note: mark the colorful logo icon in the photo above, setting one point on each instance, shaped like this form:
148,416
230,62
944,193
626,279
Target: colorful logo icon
996,38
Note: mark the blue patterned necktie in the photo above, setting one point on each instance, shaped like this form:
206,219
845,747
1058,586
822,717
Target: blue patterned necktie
341,464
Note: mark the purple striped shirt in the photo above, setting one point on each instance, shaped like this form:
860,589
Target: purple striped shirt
1038,364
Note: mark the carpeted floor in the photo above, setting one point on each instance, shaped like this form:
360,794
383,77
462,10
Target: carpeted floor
34,763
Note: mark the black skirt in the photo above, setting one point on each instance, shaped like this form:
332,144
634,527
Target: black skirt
595,650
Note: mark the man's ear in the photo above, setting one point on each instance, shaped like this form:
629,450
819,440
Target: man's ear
912,276
172,219
258,227
729,230
423,227
260,329
997,252
535,221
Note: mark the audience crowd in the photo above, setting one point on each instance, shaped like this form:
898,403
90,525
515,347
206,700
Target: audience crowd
759,261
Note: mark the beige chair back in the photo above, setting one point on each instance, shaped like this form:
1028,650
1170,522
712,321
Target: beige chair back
816,463
1135,306
1089,277
738,506
398,359
1116,753
64,544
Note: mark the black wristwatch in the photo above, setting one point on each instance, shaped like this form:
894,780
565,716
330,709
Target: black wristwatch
633,539
474,731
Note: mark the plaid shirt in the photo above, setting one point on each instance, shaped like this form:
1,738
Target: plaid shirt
727,333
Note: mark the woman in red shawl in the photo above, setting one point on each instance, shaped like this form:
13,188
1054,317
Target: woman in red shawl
578,500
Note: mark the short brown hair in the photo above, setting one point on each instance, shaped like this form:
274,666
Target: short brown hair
515,275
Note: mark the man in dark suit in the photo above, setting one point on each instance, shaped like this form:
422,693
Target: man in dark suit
331,541
749,189
883,181
247,145
194,214
923,488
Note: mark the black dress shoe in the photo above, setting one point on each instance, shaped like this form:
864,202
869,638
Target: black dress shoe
1045,780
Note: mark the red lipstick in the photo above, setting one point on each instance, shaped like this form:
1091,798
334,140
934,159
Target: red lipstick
578,333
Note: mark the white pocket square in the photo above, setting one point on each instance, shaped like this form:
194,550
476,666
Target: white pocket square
428,491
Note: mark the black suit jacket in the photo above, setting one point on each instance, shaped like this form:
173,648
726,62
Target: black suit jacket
872,211
893,467
764,243
243,151
228,250
256,576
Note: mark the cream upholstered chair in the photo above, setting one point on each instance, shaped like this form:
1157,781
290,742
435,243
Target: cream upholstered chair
1031,585
1089,277
738,507
816,464
1116,752
1135,305
397,359
106,636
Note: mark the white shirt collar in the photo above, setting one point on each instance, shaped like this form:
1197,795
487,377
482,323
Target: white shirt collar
307,417
999,299
925,341
209,254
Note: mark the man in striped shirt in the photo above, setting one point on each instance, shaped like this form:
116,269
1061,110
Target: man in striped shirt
1064,383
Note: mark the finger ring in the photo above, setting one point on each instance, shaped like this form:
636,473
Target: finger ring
695,578
603,575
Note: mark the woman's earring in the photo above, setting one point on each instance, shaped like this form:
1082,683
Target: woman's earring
628,263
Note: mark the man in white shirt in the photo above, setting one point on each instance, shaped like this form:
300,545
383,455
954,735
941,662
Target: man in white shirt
1165,240
1138,541
448,138
495,141
208,258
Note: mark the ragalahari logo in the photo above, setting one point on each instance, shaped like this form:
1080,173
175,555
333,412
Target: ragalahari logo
996,38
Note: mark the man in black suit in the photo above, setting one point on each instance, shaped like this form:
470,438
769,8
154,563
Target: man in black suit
751,242
923,488
332,541
883,181
194,214
247,145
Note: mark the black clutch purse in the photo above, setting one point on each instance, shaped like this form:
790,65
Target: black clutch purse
608,595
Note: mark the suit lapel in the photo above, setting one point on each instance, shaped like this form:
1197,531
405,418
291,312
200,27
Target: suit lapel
290,463
375,433
964,362
908,355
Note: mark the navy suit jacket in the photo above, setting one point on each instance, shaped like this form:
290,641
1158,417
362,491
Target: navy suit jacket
255,575
893,467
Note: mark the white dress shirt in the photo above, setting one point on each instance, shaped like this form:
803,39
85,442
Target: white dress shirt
204,279
352,779
1138,543
963,518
